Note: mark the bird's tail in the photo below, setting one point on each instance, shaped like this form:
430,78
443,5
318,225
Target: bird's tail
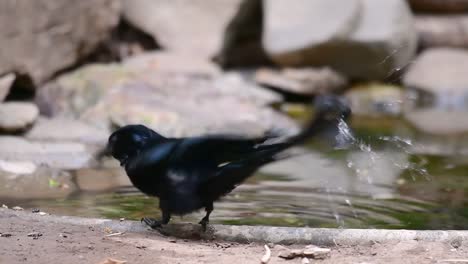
330,110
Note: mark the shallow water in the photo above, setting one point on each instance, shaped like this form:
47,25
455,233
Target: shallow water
392,177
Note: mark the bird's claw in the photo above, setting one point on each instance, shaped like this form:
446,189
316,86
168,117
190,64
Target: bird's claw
151,222
204,224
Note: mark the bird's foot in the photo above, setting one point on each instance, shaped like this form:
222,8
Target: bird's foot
204,222
151,222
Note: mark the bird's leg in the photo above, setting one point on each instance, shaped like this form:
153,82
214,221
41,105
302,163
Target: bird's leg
155,224
205,220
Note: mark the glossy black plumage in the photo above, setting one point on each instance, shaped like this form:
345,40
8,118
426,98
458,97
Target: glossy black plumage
188,174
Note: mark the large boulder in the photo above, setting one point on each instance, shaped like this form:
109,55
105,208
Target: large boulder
441,72
192,26
437,80
172,101
39,38
358,38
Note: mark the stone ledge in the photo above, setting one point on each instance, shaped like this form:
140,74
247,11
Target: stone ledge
259,234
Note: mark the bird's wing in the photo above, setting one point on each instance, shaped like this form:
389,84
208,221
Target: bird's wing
211,151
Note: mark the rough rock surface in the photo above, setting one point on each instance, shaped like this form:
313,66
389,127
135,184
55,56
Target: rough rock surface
64,129
61,155
191,26
39,38
357,38
17,116
306,81
143,91
439,71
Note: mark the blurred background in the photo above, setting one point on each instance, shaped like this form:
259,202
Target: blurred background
72,71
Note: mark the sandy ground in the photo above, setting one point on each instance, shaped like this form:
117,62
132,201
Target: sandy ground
31,238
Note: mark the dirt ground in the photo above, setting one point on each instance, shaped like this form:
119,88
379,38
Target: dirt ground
31,238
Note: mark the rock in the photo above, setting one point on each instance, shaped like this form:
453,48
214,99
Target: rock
307,81
316,252
55,155
74,92
17,167
242,41
93,180
16,116
441,72
438,122
51,34
173,63
292,28
5,84
358,38
376,99
63,129
175,102
36,185
189,26
442,30
290,253
309,252
442,6
150,105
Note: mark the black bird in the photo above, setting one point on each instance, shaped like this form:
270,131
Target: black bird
188,174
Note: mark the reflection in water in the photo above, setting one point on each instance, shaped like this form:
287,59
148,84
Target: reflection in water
383,186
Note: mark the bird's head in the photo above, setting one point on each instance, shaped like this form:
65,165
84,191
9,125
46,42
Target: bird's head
128,141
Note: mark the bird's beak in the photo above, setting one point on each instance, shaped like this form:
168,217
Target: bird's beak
123,161
103,152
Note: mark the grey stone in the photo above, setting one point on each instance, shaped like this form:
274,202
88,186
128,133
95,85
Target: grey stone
172,63
291,27
439,71
191,26
61,155
176,100
306,81
64,129
16,116
207,111
5,84
442,30
357,38
49,35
